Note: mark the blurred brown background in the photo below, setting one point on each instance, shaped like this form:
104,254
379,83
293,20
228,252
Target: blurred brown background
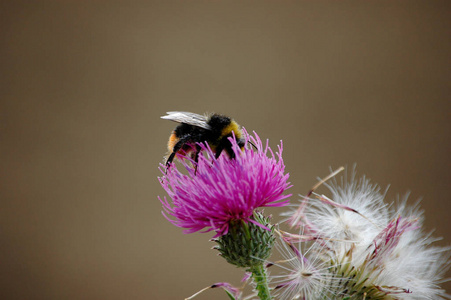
83,85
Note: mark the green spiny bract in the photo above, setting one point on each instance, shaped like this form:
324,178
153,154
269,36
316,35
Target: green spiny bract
247,244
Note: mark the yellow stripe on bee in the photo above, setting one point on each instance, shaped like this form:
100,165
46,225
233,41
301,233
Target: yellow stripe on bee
233,126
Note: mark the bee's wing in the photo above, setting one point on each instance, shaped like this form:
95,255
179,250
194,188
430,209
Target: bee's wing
187,118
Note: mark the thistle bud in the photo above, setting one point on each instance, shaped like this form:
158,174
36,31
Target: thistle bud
247,244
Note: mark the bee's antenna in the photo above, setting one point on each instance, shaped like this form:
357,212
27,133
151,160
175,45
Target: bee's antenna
255,147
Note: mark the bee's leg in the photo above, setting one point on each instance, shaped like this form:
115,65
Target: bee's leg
219,149
182,141
229,151
170,158
226,145
196,157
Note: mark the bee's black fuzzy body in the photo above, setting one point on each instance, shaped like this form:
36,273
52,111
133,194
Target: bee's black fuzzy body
195,129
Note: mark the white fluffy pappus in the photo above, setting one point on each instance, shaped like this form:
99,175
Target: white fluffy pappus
366,248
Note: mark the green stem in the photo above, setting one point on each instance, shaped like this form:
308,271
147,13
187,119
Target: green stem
261,281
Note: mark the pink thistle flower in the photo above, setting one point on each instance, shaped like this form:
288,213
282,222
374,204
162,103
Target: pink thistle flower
224,190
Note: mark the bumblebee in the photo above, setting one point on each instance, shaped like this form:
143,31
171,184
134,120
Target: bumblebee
214,129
